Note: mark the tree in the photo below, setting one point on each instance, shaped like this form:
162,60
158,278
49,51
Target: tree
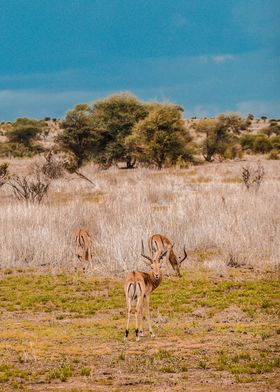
25,131
113,119
78,136
220,134
160,138
97,131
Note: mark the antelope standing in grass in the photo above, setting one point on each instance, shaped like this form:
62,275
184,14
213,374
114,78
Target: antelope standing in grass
83,244
138,286
157,244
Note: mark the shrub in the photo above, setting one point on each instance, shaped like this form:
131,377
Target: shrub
4,173
252,177
233,151
18,150
25,131
247,141
29,189
262,144
275,142
51,167
34,188
274,155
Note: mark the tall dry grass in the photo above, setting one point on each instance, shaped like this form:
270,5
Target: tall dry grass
202,207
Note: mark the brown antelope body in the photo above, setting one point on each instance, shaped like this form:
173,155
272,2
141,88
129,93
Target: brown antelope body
138,286
157,244
83,244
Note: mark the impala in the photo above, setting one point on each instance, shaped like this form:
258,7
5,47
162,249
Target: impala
138,286
83,244
158,243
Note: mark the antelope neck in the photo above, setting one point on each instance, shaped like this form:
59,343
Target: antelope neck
155,282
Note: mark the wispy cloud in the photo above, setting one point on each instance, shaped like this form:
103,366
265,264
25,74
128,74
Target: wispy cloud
222,58
217,59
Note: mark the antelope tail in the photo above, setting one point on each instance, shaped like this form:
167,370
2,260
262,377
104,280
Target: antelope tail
134,290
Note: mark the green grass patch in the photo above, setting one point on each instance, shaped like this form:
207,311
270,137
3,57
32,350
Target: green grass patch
243,363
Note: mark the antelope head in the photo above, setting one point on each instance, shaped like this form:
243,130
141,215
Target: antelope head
155,262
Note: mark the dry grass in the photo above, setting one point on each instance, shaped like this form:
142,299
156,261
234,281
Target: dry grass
218,214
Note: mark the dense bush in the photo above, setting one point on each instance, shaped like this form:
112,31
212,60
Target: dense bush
161,138
247,141
19,150
22,136
25,131
259,143
275,142
262,144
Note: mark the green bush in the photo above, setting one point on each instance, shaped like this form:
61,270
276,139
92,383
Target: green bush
275,142
25,131
18,150
160,139
247,141
262,144
257,143
274,155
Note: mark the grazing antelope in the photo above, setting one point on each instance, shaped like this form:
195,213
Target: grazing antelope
158,243
138,286
83,244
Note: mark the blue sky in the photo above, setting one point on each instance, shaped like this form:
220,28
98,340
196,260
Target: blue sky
210,56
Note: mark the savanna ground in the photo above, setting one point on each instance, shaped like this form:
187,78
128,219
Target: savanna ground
217,327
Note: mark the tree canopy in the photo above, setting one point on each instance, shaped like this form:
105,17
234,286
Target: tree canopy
161,137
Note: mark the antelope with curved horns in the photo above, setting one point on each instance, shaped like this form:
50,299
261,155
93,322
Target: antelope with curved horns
83,244
158,243
138,286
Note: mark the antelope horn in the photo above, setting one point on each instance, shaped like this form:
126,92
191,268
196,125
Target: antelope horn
163,254
142,253
185,256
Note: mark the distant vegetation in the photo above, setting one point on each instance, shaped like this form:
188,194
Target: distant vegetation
121,129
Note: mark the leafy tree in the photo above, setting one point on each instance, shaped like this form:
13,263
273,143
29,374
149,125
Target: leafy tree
220,134
114,118
78,136
161,137
25,131
98,131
